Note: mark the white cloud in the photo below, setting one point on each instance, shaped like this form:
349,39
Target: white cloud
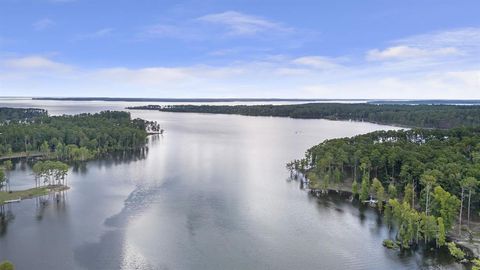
35,63
214,26
434,85
438,45
465,38
43,24
405,52
158,76
240,24
418,72
142,76
470,78
228,25
317,62
273,77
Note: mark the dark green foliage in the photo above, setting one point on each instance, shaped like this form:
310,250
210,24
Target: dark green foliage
17,115
446,155
74,137
427,165
445,205
430,116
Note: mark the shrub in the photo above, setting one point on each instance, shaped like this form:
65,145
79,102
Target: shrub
6,265
455,251
389,244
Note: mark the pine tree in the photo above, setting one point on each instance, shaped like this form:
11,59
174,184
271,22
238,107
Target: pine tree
355,188
364,189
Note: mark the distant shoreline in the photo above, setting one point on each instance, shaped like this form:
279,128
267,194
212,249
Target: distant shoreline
192,99
213,100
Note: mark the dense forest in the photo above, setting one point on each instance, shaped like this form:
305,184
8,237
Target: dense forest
427,116
19,115
70,137
424,180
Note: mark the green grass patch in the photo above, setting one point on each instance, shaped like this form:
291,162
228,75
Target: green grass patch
28,193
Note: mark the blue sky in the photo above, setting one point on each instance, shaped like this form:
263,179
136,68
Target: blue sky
297,49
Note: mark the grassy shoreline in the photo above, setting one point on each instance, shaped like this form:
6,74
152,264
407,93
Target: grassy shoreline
30,193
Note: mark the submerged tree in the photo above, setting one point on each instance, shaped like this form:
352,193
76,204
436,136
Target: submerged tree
441,232
445,205
428,180
51,172
379,192
408,194
355,188
8,166
470,184
364,189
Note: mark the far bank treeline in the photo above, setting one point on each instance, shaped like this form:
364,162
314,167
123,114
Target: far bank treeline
70,137
428,116
425,181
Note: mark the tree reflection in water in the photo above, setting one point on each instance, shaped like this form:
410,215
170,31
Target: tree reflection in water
6,216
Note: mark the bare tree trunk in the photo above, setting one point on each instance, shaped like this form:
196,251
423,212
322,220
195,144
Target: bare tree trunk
468,214
426,204
426,212
460,215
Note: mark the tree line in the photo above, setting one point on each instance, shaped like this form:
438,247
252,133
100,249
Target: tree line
424,181
20,115
427,116
73,137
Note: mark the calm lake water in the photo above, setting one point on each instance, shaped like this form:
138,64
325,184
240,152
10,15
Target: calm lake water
211,193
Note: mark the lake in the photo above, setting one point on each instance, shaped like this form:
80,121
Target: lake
211,193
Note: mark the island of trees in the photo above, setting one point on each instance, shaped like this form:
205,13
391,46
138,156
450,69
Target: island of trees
50,176
80,137
426,116
424,181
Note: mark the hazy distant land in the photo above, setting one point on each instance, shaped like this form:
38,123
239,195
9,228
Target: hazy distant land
371,101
